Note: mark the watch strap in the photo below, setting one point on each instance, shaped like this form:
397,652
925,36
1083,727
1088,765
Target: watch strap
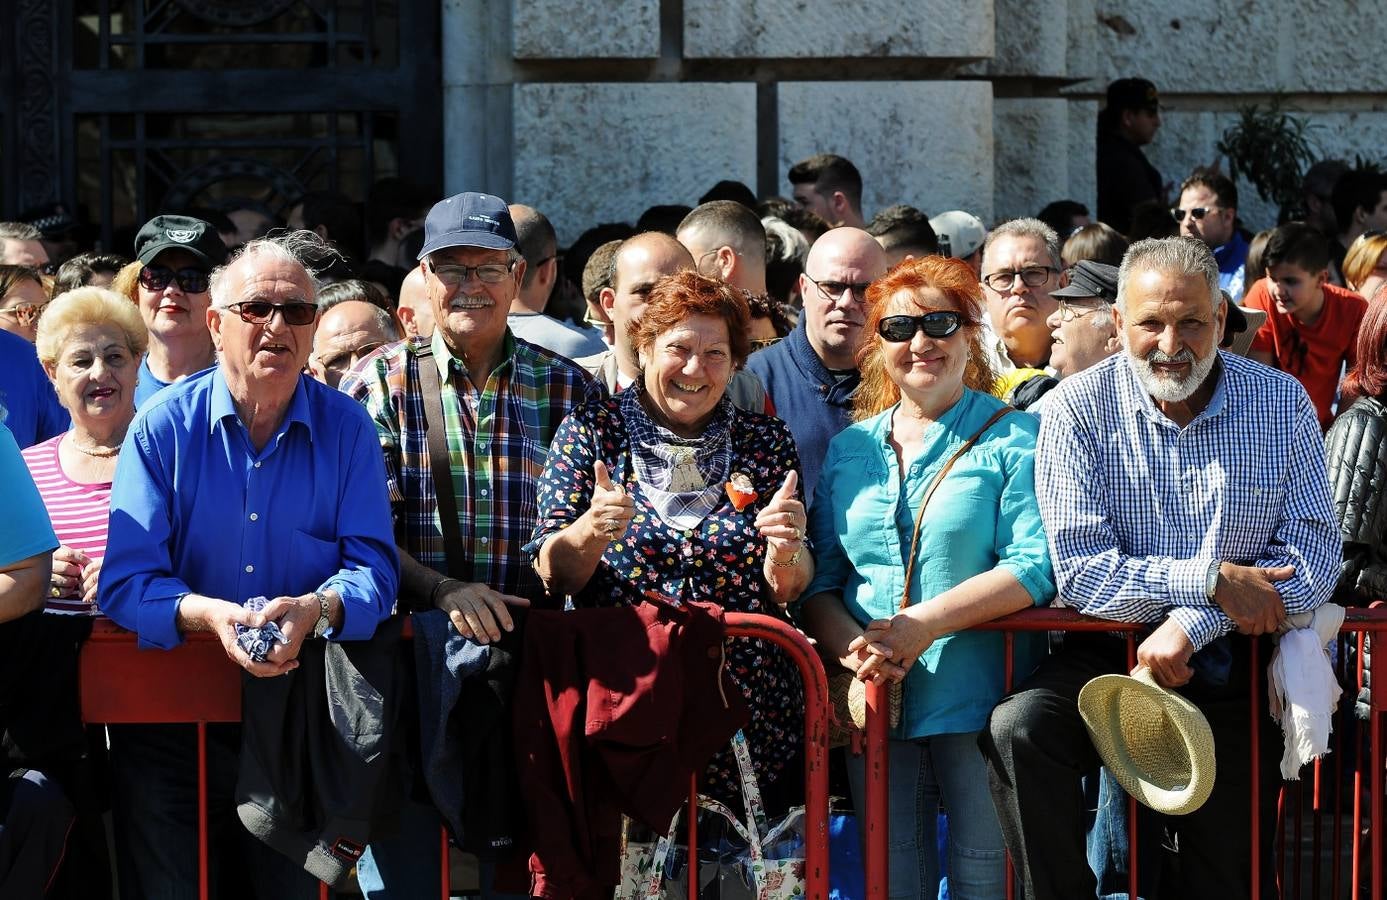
321,626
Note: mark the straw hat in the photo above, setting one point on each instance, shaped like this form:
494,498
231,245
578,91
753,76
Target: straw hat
1155,742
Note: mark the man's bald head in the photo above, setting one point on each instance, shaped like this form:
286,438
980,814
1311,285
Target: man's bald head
416,315
638,263
347,332
837,271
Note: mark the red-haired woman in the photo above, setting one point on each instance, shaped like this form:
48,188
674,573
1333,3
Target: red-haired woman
1356,449
977,552
668,487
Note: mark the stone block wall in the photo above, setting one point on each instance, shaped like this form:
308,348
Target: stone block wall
593,112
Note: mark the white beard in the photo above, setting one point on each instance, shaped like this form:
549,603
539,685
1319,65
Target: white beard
1163,387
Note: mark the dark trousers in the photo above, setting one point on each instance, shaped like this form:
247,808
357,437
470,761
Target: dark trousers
1038,750
154,775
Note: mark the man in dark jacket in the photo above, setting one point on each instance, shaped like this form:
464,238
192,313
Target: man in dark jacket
1125,177
812,374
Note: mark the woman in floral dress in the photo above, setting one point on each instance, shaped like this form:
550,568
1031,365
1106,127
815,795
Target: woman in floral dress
667,487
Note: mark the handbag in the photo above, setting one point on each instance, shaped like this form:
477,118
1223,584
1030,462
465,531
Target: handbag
770,867
847,696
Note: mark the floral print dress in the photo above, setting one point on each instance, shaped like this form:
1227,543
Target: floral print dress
719,561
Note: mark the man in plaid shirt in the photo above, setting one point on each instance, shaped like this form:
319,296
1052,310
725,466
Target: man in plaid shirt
502,400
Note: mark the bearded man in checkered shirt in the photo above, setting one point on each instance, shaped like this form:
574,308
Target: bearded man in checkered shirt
1184,488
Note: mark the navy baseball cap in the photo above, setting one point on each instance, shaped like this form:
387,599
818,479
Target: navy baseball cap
468,219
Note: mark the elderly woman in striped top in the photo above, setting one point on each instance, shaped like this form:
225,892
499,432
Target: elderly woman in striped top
90,341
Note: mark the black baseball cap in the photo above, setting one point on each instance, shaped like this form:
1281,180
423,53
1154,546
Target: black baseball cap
180,233
469,219
1090,279
1133,93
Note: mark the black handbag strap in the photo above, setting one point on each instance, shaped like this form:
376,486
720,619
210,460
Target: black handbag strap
436,429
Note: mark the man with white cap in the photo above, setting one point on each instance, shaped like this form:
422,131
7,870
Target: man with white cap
1154,515
961,235
494,401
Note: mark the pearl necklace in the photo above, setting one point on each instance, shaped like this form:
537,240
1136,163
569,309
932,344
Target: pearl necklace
104,453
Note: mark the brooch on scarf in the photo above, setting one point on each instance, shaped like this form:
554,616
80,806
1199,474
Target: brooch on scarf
740,491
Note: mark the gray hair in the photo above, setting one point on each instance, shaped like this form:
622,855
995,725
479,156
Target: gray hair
1184,256
790,246
1031,228
19,231
303,248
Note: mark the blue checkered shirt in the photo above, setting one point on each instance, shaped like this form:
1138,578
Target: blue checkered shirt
1137,509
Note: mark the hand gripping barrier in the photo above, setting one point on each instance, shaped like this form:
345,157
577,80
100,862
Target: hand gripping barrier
1324,786
195,683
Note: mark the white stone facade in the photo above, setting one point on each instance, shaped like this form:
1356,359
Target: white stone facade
594,111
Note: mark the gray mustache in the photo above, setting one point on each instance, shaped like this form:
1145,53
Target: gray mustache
1160,356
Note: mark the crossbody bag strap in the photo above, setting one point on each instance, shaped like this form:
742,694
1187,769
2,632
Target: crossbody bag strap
929,492
436,429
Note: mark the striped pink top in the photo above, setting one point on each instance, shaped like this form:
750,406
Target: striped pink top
79,513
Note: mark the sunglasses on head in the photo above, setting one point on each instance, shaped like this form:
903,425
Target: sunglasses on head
259,312
190,281
899,329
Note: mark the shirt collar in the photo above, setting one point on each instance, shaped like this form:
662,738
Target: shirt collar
443,355
221,406
802,352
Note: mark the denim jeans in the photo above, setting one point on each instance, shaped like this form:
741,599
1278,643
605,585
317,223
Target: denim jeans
405,865
945,768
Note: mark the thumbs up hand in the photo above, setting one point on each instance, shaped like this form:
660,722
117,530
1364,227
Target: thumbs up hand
611,510
782,521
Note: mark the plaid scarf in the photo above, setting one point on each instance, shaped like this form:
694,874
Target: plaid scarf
669,467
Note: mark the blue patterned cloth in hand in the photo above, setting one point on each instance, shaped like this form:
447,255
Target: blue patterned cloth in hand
258,641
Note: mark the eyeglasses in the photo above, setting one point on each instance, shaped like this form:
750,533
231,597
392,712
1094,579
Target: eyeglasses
190,281
1031,276
1070,311
763,343
259,312
25,314
487,273
832,290
1199,212
899,329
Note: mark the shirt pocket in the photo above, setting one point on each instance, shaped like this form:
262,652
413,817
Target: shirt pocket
1252,508
316,558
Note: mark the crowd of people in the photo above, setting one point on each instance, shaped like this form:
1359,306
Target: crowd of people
565,464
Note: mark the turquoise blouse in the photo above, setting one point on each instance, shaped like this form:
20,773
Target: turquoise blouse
983,516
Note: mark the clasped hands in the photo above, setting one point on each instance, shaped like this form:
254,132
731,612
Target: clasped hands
74,575
296,617
887,648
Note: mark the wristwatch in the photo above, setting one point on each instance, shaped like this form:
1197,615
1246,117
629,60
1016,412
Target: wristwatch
1211,580
321,626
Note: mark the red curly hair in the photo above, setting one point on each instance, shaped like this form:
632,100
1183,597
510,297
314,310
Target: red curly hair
677,298
955,280
1368,377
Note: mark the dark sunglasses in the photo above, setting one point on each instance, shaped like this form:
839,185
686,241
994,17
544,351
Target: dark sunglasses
1199,212
899,329
258,312
190,281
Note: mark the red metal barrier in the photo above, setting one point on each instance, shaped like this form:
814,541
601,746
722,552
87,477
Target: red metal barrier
196,683
1357,621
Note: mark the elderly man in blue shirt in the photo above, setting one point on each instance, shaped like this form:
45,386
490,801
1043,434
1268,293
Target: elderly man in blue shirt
1185,488
246,480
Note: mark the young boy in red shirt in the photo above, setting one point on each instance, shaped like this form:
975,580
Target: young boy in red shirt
1312,326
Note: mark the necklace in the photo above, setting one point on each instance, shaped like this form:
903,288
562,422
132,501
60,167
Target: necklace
685,475
99,453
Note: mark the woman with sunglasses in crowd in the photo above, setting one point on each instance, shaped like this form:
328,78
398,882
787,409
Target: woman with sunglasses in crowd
174,258
900,576
22,299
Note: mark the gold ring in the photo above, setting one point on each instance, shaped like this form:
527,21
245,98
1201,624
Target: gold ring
53,592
